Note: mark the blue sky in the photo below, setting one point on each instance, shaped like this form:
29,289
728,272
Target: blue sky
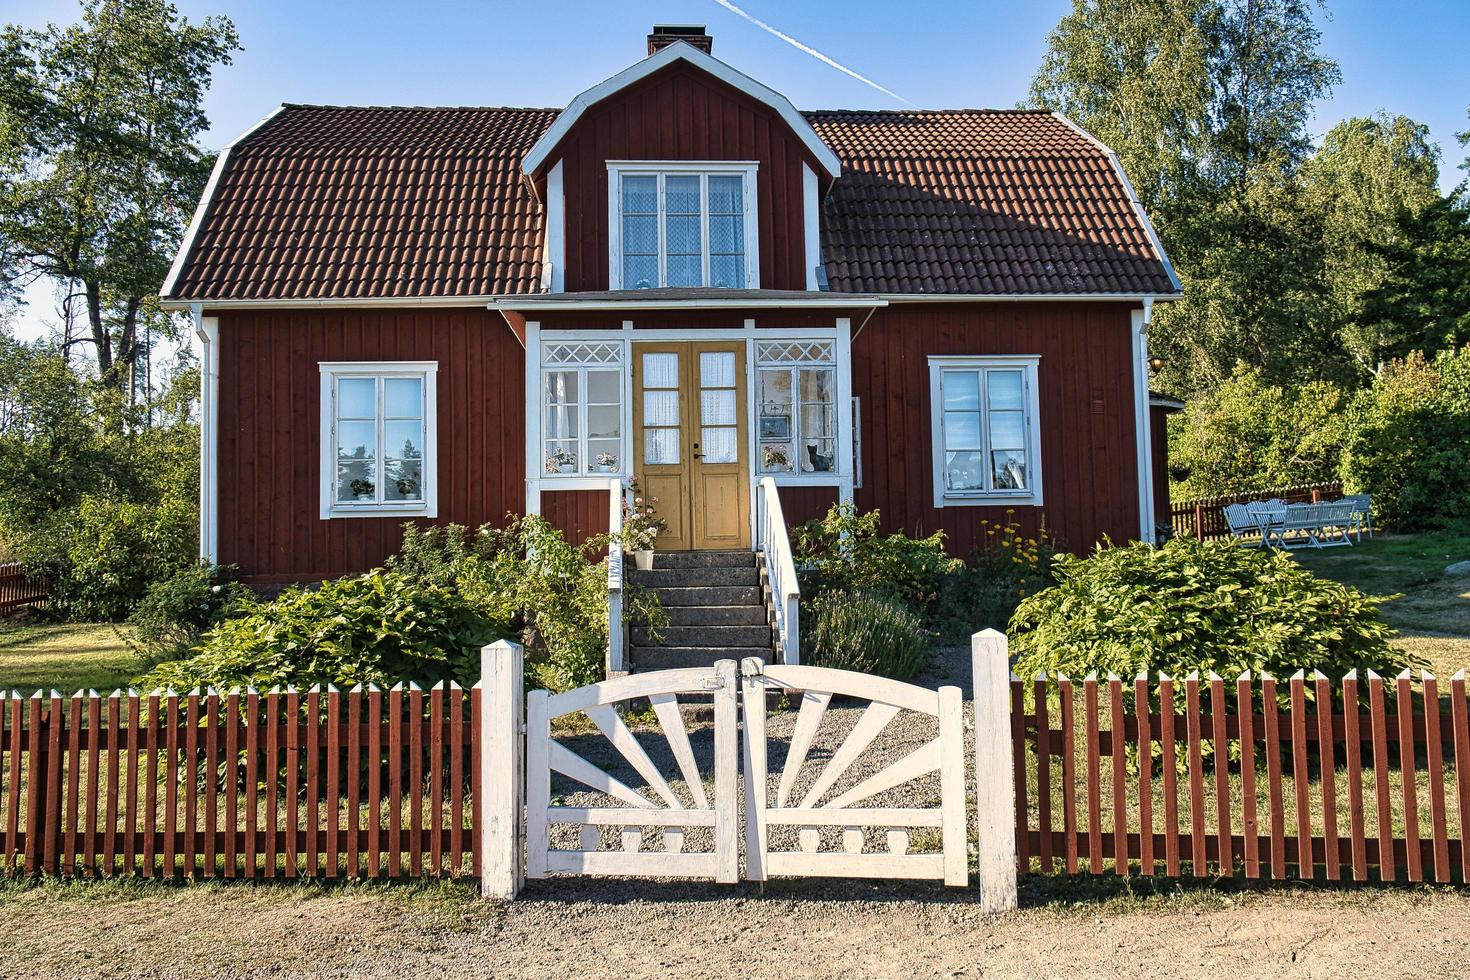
1406,57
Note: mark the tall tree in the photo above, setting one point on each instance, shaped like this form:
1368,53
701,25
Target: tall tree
98,128
1422,302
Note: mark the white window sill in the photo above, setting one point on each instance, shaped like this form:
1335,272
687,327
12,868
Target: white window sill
988,500
417,510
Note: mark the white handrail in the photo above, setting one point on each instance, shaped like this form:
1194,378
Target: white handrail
616,658
772,540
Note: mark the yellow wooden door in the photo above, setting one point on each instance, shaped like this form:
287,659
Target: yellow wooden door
689,441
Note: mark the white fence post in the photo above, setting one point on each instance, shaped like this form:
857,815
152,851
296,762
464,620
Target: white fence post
995,781
502,706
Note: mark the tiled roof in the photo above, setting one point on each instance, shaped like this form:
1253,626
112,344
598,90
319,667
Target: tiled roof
324,202
979,201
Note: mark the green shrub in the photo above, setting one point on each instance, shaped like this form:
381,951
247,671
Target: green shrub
1003,570
843,552
379,628
176,612
872,633
1197,606
1409,442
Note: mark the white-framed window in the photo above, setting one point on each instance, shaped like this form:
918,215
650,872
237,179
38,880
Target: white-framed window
984,430
379,438
796,389
582,409
682,225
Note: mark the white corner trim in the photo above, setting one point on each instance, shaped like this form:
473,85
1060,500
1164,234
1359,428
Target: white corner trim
1148,225
329,371
532,395
202,207
1142,425
680,51
207,329
811,216
555,251
1030,364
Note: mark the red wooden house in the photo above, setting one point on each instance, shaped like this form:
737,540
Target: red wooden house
454,313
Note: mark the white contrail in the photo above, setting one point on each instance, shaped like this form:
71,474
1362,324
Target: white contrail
809,50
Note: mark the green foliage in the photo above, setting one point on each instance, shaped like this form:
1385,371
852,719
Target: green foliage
1003,570
1422,300
1409,442
176,611
1197,606
1247,434
845,552
379,628
872,633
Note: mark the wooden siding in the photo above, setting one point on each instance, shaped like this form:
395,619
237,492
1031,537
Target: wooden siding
802,504
683,113
580,514
1088,452
270,439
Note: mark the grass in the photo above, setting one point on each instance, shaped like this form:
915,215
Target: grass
65,657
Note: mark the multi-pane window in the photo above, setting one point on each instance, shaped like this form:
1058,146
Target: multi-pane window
378,443
582,401
797,394
984,413
682,228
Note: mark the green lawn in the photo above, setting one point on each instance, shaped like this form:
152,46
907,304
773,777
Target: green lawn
66,657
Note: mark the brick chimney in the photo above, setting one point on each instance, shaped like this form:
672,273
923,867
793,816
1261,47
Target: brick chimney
666,34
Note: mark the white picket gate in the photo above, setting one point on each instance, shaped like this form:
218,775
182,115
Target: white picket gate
803,798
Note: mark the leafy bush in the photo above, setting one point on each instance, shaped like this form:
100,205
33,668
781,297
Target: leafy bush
380,628
1409,442
177,611
1007,567
843,552
868,632
1201,606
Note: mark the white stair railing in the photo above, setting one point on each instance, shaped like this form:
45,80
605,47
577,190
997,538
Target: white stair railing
616,654
775,545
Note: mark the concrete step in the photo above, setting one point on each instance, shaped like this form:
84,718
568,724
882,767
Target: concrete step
704,636
703,559
685,578
663,658
719,595
750,614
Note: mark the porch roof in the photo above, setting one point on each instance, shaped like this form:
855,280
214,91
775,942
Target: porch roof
687,299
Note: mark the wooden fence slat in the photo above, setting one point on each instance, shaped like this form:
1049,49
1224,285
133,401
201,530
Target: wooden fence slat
354,779
130,823
1043,775
436,779
395,780
1404,711
1171,775
170,720
334,779
1069,770
1219,709
191,787
1192,722
55,734
211,781
93,816
1434,749
1387,869
1331,851
270,770
1353,749
1145,776
252,782
1245,710
1305,858
293,779
456,779
1118,773
73,763
232,780
1094,761
313,779
15,738
1019,768
1460,713
150,787
375,780
416,779
35,784
1272,718
476,796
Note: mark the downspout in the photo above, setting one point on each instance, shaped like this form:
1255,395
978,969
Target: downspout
207,330
1142,422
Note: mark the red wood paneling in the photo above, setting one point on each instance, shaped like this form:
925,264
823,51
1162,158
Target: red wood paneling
802,504
270,439
580,514
1089,456
683,113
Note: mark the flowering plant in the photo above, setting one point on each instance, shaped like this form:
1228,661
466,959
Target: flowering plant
558,458
607,460
775,458
641,523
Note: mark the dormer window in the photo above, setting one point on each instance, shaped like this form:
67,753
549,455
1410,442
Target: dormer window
682,225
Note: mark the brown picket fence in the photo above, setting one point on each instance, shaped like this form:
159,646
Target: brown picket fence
1204,518
366,783
1329,780
19,589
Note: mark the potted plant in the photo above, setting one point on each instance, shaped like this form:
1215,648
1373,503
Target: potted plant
560,461
641,526
775,458
607,462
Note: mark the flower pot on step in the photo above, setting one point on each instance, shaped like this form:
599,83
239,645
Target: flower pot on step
644,560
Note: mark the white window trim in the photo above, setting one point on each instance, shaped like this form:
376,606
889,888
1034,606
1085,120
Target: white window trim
330,371
991,498
584,464
795,442
618,169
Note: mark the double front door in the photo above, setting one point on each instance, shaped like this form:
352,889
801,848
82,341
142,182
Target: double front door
689,438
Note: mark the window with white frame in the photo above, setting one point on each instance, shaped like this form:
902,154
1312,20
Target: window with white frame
682,225
796,388
986,448
378,438
582,405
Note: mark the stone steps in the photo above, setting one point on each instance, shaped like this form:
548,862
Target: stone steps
715,608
